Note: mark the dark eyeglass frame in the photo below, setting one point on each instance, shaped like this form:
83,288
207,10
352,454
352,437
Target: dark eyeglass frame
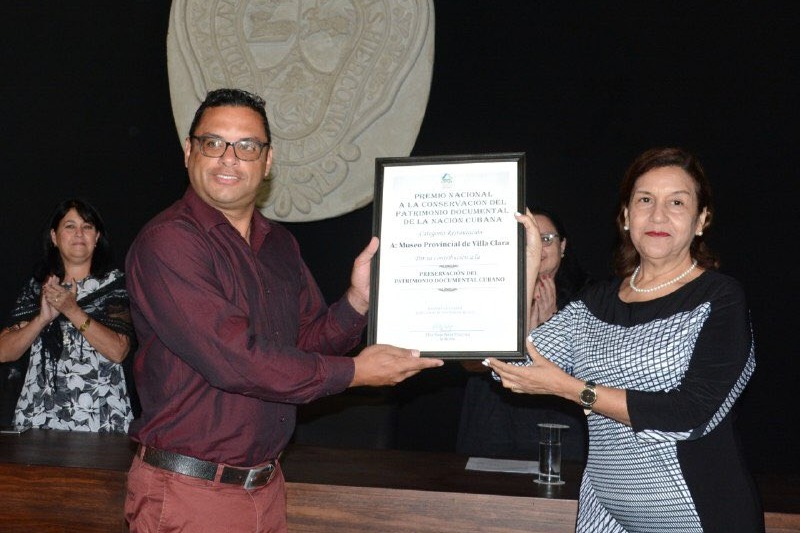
201,140
547,238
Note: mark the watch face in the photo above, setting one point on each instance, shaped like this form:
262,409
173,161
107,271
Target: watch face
588,396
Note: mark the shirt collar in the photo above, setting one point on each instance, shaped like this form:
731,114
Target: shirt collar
209,217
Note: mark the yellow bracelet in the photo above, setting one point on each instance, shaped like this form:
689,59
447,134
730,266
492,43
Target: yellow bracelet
86,324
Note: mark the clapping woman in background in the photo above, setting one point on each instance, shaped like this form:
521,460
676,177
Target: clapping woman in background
72,320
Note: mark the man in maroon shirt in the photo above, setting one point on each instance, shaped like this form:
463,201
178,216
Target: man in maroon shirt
234,333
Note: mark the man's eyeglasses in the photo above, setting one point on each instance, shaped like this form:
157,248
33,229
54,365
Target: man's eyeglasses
548,238
245,150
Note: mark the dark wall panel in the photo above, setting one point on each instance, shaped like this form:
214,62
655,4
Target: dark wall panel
581,87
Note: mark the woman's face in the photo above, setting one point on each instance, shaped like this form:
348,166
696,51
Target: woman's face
551,255
663,213
75,238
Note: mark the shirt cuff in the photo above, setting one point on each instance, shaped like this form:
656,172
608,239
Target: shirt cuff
351,321
341,371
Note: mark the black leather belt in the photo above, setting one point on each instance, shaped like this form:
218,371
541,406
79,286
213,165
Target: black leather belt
248,478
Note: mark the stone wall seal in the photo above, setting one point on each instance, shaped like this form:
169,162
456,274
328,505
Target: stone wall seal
345,81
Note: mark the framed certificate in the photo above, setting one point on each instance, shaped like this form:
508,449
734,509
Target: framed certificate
449,275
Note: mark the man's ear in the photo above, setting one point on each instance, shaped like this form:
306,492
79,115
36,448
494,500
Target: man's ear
187,151
268,166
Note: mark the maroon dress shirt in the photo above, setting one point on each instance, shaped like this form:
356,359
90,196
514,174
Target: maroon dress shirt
232,336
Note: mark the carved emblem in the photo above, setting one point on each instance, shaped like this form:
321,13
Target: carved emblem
345,81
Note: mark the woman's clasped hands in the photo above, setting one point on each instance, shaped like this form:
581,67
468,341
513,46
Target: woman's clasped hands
57,298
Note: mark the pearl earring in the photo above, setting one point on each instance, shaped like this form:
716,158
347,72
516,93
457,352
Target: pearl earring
700,233
626,228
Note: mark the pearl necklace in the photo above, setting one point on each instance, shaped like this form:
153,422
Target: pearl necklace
661,286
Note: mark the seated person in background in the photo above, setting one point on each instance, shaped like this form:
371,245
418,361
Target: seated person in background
498,423
72,320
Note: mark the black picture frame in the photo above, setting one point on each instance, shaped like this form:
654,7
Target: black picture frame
449,276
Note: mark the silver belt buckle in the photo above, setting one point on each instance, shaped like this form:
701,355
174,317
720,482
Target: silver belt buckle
258,477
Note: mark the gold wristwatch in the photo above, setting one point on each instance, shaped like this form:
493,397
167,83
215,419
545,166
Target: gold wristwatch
587,397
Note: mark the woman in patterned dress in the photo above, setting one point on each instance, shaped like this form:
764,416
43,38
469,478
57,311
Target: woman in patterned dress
657,357
72,321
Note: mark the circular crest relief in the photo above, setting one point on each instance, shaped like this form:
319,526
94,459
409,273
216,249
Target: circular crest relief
345,81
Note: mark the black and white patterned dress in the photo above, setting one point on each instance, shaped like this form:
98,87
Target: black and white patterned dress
76,388
684,359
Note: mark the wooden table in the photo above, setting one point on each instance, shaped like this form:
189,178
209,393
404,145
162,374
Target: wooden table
52,481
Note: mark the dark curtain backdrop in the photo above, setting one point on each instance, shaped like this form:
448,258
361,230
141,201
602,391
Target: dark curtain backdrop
581,87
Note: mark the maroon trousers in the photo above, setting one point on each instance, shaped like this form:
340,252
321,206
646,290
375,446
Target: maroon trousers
160,501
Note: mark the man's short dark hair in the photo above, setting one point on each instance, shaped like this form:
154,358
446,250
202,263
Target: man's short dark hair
235,98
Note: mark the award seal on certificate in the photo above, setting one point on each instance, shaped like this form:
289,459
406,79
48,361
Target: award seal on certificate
448,278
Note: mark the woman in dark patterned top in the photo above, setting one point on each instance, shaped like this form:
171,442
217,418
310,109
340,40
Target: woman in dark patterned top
657,357
72,321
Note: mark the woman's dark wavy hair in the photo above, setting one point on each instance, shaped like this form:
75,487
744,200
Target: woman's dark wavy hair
52,264
570,277
626,258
